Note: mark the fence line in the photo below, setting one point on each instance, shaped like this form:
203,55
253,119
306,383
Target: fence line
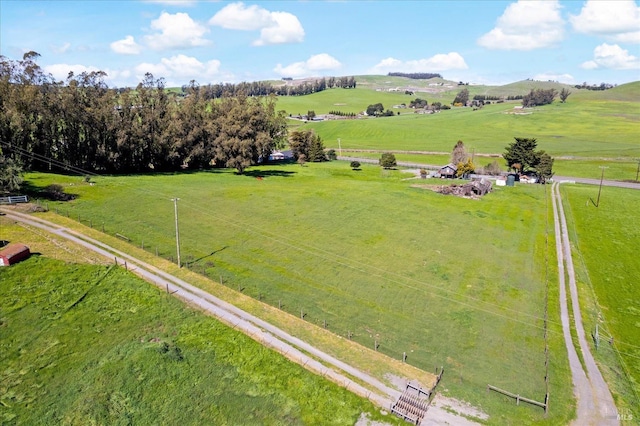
14,199
519,398
387,344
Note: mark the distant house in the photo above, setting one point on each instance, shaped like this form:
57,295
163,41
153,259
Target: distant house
13,253
281,155
448,171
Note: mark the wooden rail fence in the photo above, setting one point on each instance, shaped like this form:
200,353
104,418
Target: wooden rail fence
519,398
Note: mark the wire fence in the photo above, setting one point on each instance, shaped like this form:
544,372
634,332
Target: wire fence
381,340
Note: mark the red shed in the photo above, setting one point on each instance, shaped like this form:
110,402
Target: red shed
13,253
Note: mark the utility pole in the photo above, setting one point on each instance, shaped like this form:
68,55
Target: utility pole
600,189
638,171
340,149
175,207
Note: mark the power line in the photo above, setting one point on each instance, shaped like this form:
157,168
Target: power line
322,253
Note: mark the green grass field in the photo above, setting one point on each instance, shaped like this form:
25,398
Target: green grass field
452,282
86,344
599,125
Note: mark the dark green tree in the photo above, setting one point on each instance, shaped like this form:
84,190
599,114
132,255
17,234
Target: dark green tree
522,157
355,165
375,109
307,143
522,152
462,97
539,97
10,174
544,169
388,160
248,130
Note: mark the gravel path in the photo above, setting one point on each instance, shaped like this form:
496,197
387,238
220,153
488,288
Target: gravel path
261,331
595,404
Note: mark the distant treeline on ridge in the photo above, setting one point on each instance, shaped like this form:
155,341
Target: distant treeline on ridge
415,75
263,88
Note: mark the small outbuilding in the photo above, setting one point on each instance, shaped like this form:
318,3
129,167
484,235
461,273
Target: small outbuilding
448,171
13,253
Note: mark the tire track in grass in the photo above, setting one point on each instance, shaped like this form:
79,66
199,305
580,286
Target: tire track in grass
595,404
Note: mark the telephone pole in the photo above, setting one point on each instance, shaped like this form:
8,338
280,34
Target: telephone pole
600,189
175,207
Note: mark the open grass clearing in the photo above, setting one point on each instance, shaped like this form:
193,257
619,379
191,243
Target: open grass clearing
451,282
88,344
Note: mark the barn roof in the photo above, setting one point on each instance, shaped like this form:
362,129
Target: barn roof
12,250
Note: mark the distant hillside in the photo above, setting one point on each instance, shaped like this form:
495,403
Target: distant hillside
629,92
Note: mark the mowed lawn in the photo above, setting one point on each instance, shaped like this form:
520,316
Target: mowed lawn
88,344
451,282
606,241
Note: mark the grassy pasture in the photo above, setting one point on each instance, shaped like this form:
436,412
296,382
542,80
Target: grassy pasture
605,241
602,125
452,282
585,129
88,344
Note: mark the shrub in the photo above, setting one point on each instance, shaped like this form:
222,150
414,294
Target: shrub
56,192
355,165
388,160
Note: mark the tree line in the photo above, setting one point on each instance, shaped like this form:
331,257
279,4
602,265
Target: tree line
82,124
415,75
263,88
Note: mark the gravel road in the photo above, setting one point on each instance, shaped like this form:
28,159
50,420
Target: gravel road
261,331
595,404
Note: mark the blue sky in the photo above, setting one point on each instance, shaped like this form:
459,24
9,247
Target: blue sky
482,42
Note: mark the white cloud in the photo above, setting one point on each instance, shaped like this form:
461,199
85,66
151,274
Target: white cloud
612,56
315,64
126,46
61,49
61,71
275,27
616,20
236,16
526,25
436,63
181,69
177,31
562,78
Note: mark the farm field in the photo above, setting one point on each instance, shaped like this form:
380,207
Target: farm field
93,344
605,241
598,125
452,282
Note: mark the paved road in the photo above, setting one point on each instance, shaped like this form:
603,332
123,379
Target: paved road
595,404
615,183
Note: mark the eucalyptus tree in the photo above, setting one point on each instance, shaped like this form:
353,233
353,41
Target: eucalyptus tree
249,129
